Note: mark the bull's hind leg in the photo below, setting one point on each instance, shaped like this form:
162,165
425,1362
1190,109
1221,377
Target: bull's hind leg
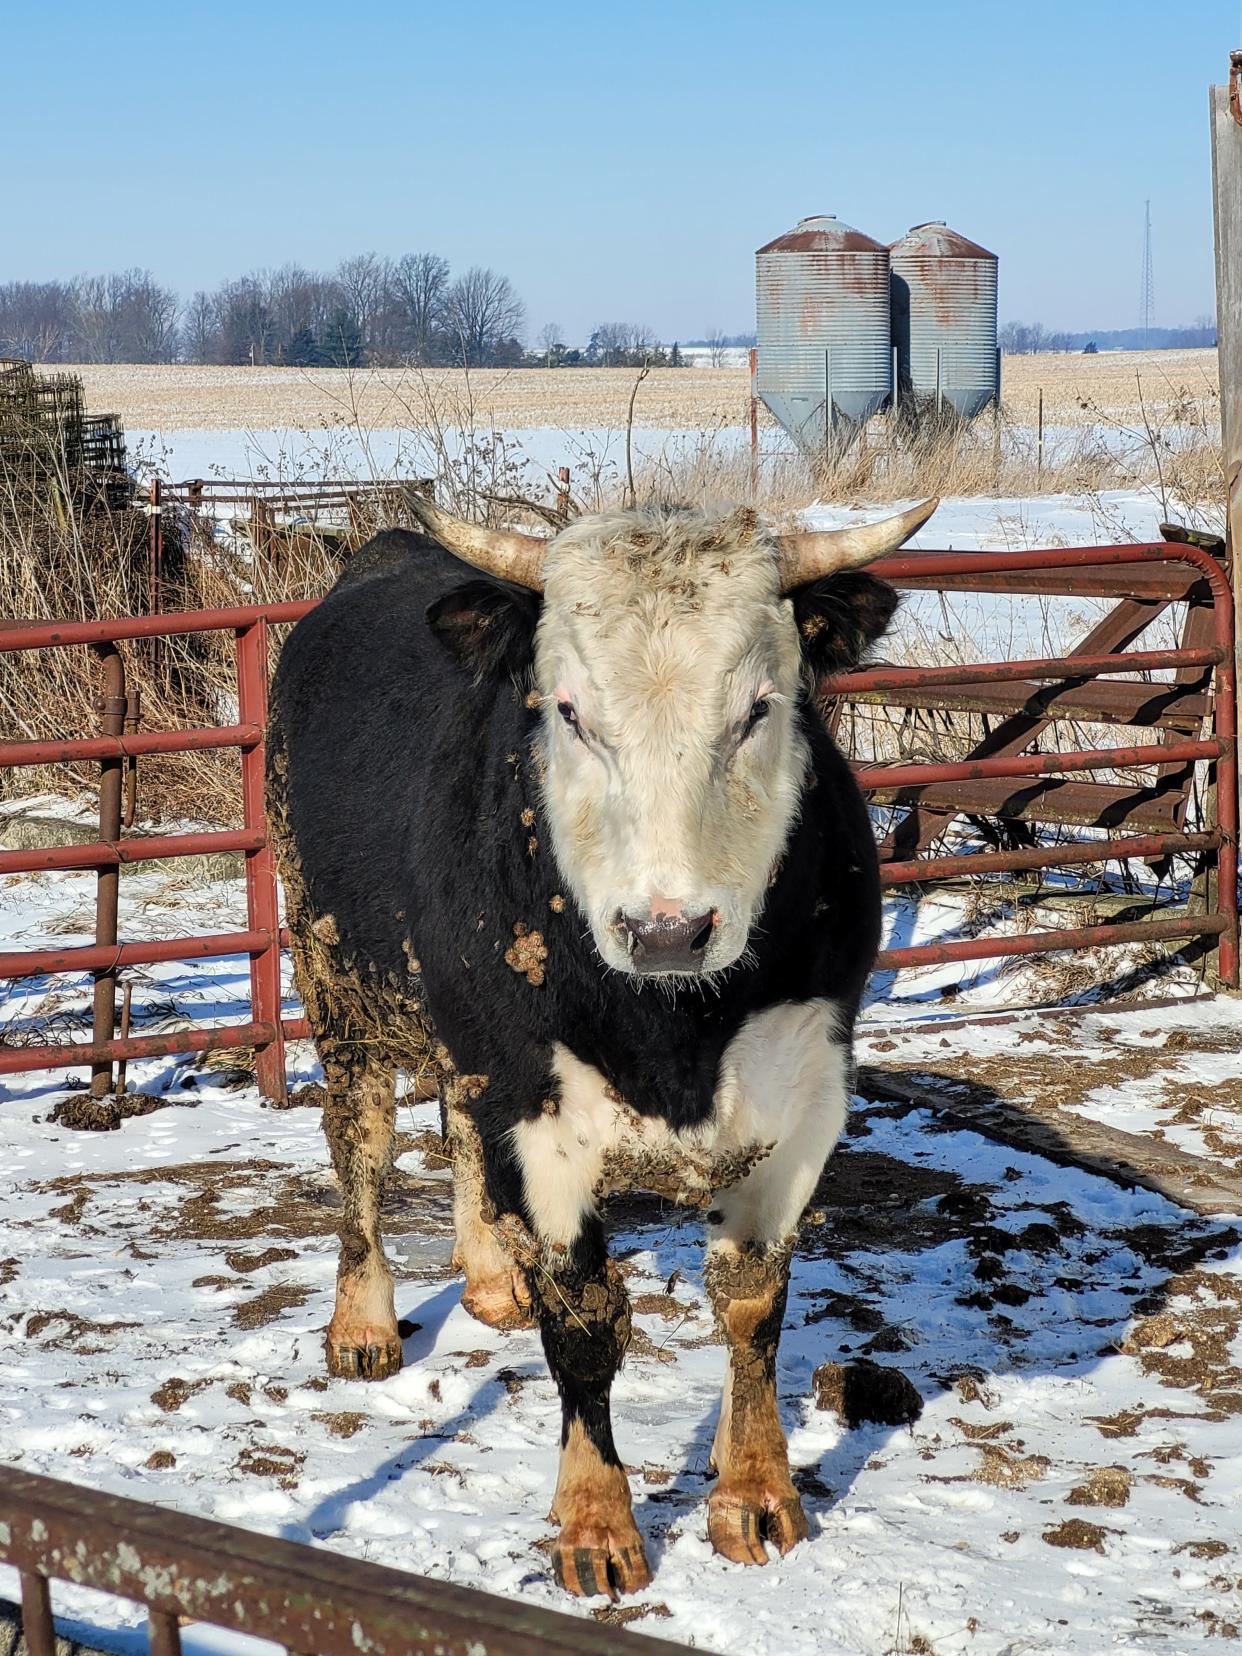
791,1078
495,1291
362,1341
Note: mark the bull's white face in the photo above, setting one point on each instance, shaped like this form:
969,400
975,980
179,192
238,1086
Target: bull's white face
668,666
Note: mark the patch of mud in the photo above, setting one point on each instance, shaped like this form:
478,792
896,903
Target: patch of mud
621,1615
85,1114
866,1199
66,1331
255,1201
1004,1469
272,1303
341,1423
1078,1534
239,1260
1106,1486
270,1460
174,1392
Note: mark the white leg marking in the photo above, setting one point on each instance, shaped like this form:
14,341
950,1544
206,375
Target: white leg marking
784,1081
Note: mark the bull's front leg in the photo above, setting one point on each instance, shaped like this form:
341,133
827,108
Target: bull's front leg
755,1499
584,1319
789,1088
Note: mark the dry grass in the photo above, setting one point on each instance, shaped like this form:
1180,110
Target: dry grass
183,398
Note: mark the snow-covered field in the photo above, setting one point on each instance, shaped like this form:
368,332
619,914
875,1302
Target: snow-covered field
1074,1483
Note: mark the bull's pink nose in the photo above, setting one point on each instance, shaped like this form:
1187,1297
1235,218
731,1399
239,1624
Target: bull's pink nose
666,908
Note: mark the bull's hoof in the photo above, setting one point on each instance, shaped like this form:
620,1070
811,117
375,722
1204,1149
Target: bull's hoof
589,1560
501,1302
741,1518
367,1354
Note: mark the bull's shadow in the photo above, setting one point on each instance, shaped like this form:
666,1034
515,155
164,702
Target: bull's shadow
949,1255
927,1247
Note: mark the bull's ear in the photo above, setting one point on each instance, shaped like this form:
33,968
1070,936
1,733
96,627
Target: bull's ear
487,627
840,618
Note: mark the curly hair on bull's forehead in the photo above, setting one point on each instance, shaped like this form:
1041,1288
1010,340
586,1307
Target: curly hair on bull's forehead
664,545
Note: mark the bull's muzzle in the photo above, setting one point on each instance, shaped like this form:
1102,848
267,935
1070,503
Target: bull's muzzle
666,942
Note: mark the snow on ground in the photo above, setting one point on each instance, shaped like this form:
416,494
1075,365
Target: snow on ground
1074,1484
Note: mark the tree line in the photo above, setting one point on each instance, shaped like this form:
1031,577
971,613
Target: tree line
369,311
1023,338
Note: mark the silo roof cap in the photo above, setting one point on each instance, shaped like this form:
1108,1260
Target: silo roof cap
823,233
934,239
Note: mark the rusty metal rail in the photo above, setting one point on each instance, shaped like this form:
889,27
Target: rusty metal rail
307,1599
1073,571
261,942
1163,570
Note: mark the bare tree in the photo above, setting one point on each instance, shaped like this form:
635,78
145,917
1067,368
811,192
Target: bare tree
36,320
716,347
363,281
483,313
418,286
551,343
124,317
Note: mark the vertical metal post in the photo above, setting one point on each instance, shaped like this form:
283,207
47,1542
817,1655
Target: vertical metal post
156,541
1039,436
754,424
938,384
262,902
830,412
112,706
996,393
37,1625
163,1633
1225,110
896,383
155,580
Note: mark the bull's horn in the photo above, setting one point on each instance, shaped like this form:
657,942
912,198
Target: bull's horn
501,552
808,556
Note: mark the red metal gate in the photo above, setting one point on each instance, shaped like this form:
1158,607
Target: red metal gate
267,1031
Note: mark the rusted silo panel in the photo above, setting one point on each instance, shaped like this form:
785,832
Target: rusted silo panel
822,325
944,301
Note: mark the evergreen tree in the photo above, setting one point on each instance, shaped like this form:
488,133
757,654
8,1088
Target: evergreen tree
303,348
342,345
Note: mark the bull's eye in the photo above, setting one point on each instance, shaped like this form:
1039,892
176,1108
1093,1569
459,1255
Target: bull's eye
759,711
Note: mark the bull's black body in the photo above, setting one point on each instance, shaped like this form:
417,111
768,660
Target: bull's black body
410,783
406,803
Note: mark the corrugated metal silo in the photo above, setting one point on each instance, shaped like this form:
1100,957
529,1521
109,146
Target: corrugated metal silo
822,327
944,301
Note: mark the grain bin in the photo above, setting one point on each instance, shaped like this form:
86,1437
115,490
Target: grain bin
822,327
944,304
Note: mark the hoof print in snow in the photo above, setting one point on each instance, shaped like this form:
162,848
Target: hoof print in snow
861,1391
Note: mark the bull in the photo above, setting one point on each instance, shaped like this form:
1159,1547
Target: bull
567,834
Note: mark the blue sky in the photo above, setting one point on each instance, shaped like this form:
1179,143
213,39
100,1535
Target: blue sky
617,161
